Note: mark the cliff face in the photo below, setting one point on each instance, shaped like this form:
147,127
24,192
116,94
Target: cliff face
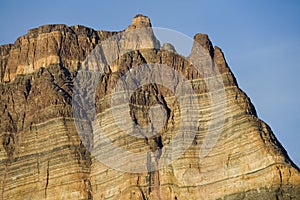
42,155
49,45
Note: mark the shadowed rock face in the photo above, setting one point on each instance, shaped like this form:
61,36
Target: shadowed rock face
42,156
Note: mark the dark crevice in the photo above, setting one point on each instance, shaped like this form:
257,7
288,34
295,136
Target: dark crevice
47,179
28,88
8,142
13,127
280,189
159,144
142,57
143,195
23,120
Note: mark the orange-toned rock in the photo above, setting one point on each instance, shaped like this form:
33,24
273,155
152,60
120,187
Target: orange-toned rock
43,157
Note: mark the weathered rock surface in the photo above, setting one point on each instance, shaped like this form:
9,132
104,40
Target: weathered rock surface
43,157
50,45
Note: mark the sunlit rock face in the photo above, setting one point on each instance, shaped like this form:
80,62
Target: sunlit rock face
43,156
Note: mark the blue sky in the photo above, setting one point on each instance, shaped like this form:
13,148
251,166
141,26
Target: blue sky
260,39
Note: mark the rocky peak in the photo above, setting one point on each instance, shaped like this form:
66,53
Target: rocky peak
168,47
34,32
79,30
140,21
205,42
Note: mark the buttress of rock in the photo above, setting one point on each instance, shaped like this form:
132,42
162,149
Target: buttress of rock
210,59
140,21
137,36
205,42
140,35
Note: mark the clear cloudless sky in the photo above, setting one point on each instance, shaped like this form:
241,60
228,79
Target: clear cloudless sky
260,39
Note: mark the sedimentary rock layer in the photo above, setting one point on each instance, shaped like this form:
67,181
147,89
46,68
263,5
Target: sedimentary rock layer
42,156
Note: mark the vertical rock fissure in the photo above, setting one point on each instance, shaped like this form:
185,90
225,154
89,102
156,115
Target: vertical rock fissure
143,195
280,189
47,179
27,88
159,143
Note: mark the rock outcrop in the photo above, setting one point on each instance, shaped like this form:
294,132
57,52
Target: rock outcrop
42,155
50,45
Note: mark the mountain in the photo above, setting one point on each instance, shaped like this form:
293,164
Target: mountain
57,81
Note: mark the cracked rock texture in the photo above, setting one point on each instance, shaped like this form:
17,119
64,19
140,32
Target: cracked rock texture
43,157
